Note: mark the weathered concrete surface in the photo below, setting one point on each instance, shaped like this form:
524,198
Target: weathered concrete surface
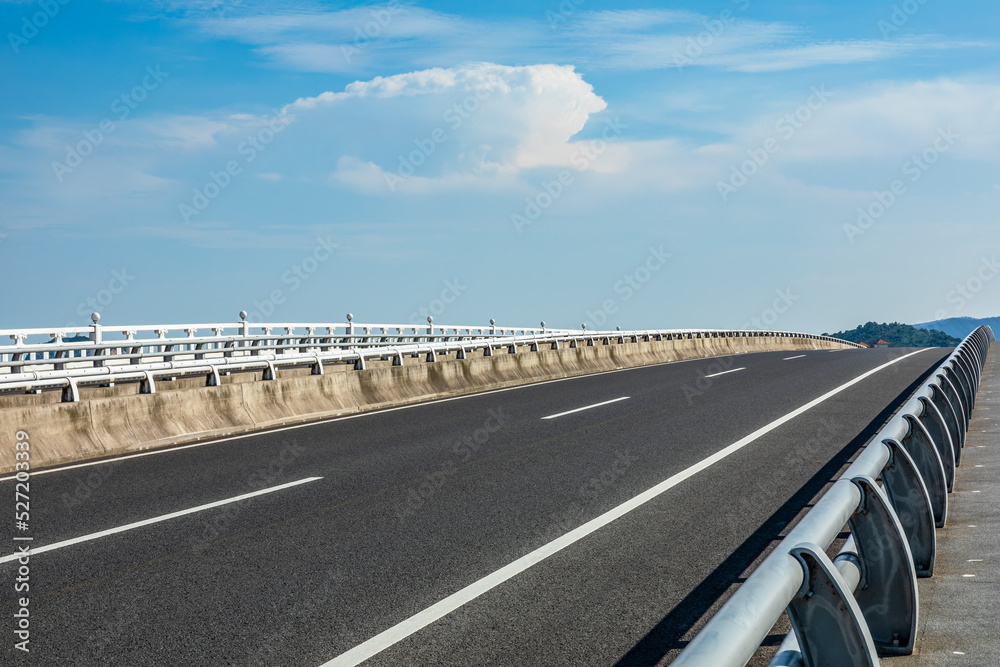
960,605
117,420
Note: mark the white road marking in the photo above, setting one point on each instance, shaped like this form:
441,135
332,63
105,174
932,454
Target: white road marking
795,357
138,524
442,608
356,415
724,372
588,407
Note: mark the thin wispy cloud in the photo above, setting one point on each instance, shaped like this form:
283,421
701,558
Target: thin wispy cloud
373,37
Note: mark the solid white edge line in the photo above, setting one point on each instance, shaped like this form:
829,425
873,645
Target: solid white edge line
588,407
795,357
356,415
724,372
438,610
138,524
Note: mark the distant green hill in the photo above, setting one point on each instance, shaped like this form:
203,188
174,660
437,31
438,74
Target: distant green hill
898,335
961,326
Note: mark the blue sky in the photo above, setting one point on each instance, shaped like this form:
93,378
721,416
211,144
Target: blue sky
805,166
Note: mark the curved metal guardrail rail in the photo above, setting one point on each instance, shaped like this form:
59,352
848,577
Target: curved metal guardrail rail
33,367
864,602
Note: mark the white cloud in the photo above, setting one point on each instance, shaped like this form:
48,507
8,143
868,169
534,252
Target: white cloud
478,120
892,121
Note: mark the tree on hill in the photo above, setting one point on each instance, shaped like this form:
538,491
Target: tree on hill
898,335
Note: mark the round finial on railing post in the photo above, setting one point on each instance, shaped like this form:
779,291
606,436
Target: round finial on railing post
430,325
350,317
430,319
618,328
543,325
350,324
95,317
493,327
584,326
243,316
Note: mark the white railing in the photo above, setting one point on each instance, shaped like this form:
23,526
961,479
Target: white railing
146,353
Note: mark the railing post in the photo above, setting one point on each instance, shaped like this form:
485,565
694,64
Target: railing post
887,592
908,495
243,335
96,337
827,620
936,427
950,393
921,448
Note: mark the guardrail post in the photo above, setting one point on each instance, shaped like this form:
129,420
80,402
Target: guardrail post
955,403
71,392
964,383
887,592
925,455
908,495
933,422
828,623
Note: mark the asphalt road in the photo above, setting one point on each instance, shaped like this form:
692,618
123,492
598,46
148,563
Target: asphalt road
413,505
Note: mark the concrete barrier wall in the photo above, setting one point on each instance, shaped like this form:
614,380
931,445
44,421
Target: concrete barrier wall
112,421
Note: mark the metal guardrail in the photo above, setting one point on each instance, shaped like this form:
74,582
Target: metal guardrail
862,604
103,361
